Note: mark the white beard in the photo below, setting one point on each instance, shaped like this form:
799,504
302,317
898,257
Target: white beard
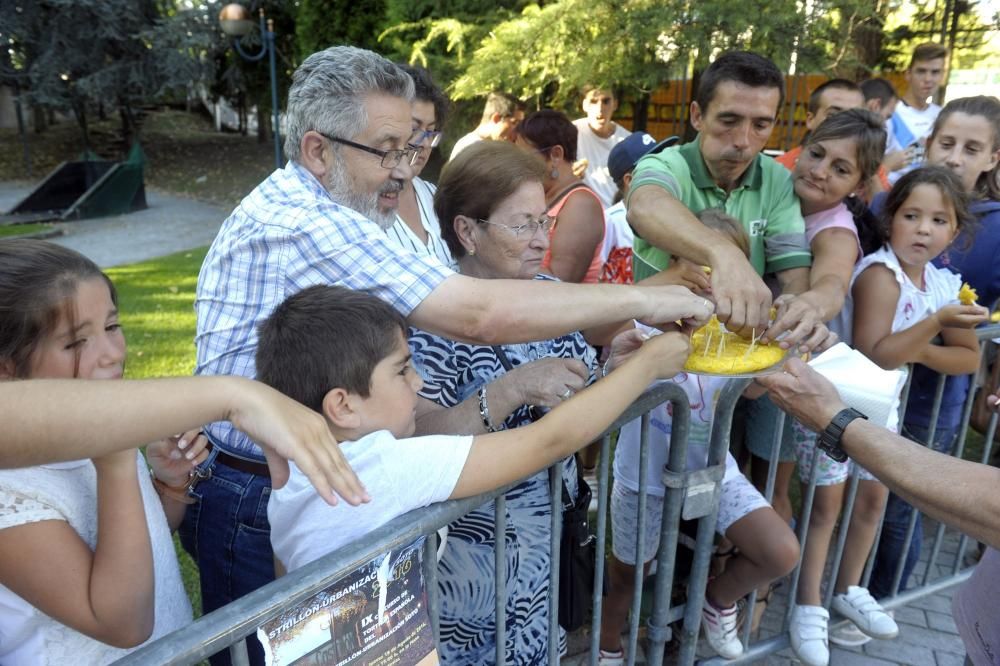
343,190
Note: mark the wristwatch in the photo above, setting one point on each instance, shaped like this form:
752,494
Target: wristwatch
829,439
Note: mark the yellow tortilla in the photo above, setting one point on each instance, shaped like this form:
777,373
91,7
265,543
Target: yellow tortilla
732,357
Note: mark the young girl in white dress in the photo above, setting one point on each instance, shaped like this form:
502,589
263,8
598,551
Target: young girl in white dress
87,563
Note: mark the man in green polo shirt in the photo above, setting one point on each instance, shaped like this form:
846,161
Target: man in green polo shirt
734,112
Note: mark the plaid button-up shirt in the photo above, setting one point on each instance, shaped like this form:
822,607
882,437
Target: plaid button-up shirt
286,235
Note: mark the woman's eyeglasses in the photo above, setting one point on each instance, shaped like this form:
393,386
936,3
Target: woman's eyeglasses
432,137
526,230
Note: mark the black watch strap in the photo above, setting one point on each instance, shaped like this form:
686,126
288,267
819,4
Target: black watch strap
829,439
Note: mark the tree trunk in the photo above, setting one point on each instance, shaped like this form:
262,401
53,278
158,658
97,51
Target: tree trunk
127,125
640,113
39,118
81,119
263,124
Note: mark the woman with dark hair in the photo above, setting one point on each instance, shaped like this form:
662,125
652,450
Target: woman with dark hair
416,227
493,211
578,231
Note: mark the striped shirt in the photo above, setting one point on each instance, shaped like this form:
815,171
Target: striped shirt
401,234
286,235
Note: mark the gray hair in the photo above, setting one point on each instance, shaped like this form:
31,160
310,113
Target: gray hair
328,90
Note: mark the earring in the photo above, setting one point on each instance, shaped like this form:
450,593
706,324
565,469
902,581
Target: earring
554,174
471,253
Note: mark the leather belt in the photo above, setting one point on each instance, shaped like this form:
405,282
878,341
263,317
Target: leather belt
240,464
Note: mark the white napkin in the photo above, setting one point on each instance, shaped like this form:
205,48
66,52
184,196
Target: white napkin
862,384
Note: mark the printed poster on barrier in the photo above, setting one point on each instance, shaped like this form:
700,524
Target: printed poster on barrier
375,616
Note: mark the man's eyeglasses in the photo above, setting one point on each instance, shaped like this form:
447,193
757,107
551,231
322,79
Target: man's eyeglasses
526,230
433,137
390,158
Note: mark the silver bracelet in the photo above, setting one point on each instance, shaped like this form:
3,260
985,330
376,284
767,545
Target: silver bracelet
484,410
604,368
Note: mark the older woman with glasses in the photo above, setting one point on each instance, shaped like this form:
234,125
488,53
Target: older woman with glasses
492,205
416,227
577,236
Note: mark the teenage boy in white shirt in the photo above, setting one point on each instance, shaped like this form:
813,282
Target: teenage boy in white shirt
914,117
344,354
598,134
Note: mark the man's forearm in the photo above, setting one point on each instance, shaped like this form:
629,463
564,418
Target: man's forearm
512,311
957,492
684,236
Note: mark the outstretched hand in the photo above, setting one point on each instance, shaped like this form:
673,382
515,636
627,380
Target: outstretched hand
804,393
286,430
666,353
742,300
669,304
800,323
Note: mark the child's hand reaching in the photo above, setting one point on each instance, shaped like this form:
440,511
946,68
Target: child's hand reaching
173,459
665,353
961,316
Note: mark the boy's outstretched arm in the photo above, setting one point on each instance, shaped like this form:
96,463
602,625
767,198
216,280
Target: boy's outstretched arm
503,457
54,420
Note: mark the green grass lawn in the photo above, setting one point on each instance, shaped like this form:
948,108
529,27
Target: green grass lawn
9,230
156,300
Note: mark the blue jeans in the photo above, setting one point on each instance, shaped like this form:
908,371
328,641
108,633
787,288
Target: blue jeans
227,533
897,517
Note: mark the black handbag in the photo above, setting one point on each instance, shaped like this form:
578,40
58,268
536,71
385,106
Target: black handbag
577,557
577,546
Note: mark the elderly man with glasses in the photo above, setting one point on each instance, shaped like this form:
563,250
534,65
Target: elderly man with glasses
321,220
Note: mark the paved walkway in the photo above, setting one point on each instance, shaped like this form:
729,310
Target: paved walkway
927,633
170,224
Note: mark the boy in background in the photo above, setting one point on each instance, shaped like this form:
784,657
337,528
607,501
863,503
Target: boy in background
914,117
598,135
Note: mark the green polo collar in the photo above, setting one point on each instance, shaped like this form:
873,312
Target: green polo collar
691,152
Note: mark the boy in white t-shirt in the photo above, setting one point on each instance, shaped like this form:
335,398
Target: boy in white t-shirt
597,135
914,117
344,354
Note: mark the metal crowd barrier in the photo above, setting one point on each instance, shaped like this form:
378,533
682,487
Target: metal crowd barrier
228,626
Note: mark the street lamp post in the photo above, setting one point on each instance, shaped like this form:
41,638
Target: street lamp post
235,22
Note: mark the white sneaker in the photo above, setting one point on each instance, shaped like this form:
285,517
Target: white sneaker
860,607
721,630
807,631
605,658
847,634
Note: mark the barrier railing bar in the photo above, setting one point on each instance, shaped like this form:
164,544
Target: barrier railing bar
911,524
959,449
658,624
238,653
803,533
555,542
640,543
718,447
430,580
772,475
500,576
846,518
602,529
